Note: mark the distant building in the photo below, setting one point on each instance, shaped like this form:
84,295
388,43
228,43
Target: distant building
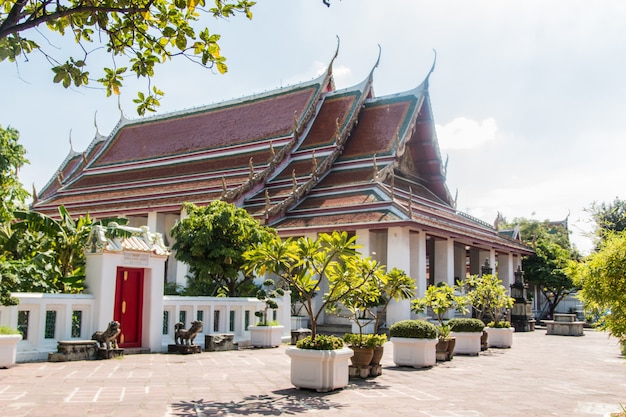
304,159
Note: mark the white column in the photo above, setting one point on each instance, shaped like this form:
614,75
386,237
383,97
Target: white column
398,256
418,262
363,240
506,269
152,221
210,320
153,304
444,261
182,269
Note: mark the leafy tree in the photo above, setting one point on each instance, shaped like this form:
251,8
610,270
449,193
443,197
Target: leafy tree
43,254
138,35
329,263
46,254
608,218
440,298
488,297
396,285
212,240
13,195
602,277
12,158
547,268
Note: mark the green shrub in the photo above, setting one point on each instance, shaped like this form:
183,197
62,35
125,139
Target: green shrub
269,323
365,340
415,329
321,342
499,324
466,325
8,330
375,340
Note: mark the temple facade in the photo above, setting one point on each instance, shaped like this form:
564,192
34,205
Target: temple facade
303,159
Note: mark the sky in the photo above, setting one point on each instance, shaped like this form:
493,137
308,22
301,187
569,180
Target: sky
529,97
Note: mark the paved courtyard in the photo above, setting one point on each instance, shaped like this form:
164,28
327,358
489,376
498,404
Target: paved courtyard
540,376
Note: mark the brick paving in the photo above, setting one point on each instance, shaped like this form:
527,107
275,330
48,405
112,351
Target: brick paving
541,375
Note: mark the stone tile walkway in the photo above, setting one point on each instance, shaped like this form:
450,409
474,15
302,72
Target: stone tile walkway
541,375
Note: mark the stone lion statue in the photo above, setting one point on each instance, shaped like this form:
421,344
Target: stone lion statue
108,338
186,337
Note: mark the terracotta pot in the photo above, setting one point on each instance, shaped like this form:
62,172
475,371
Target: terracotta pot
378,355
445,349
362,356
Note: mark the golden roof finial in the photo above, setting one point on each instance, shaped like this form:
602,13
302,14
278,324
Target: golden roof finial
251,165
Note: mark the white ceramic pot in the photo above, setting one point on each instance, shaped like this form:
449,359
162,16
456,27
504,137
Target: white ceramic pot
500,337
266,336
8,349
467,343
321,370
418,353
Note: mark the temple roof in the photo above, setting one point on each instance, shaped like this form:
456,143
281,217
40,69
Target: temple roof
301,157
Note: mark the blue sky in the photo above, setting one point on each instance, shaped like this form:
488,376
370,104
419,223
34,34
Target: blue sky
528,96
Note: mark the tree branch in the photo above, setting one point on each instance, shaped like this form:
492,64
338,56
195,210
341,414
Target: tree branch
10,25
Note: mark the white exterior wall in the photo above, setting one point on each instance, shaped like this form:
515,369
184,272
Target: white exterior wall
101,273
398,256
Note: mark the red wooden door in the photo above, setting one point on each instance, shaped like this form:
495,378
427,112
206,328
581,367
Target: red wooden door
129,305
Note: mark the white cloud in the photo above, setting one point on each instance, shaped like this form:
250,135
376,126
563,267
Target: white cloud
464,133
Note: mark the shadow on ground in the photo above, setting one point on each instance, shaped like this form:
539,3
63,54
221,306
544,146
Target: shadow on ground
281,402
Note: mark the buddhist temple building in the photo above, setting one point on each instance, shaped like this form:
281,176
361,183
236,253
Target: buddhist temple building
304,159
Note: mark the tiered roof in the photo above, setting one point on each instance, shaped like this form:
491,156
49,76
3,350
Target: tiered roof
305,157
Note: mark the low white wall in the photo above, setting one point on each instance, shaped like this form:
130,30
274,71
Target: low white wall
218,314
36,345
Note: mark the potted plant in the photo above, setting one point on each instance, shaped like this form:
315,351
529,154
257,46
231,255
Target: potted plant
467,332
414,343
490,300
267,333
329,265
377,343
440,299
363,353
9,338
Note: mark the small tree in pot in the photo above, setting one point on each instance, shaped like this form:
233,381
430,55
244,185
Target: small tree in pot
441,298
329,265
490,301
267,332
